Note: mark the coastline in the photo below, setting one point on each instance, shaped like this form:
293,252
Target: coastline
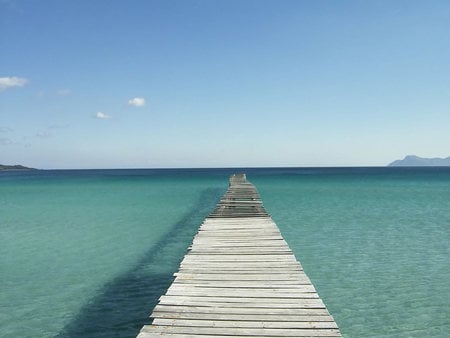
16,167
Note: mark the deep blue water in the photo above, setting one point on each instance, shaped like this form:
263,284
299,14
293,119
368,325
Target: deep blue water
87,253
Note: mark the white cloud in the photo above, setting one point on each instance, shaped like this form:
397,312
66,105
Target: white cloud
137,102
102,116
12,81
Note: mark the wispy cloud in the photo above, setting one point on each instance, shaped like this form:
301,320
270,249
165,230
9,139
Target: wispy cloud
11,5
43,134
64,92
137,102
5,130
59,126
102,116
11,82
4,141
50,131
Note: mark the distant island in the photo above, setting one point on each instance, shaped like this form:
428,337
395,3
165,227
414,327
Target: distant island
416,161
14,167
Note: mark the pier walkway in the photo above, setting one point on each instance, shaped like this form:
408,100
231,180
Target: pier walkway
240,279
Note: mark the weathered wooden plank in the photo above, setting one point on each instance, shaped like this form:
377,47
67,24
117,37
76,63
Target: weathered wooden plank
255,256
249,284
248,236
239,310
240,265
266,293
236,234
255,277
209,315
236,290
243,268
255,237
229,243
181,335
254,332
238,248
238,240
235,271
245,324
239,251
238,269
287,303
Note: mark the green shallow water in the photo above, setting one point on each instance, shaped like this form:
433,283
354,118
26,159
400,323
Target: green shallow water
88,253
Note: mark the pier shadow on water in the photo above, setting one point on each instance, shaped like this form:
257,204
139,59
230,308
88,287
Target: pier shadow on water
124,304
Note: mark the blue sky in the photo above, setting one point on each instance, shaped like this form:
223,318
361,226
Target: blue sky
138,84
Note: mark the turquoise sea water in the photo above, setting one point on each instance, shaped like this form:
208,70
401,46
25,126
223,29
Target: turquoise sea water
88,253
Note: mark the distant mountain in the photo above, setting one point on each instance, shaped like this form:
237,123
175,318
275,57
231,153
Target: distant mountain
14,167
416,161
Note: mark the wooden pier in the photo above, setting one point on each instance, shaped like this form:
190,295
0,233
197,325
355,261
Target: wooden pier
240,279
